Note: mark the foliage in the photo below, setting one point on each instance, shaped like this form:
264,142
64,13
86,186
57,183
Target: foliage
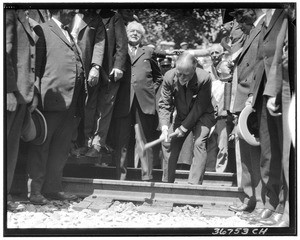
178,25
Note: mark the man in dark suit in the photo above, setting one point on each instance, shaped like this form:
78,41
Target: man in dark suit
89,33
250,21
135,101
111,73
20,91
60,79
188,89
270,127
278,90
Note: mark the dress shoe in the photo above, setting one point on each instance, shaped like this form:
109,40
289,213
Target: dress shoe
93,152
106,149
281,223
263,215
78,152
38,199
272,220
61,196
14,207
241,208
255,213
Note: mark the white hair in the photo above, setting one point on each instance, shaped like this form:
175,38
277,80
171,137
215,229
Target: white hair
134,24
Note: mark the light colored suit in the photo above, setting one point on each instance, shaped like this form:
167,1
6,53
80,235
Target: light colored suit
61,83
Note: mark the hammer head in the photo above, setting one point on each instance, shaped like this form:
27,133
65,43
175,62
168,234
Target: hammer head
140,144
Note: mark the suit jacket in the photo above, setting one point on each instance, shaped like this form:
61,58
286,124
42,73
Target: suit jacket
277,73
142,79
20,56
56,68
266,51
245,65
116,43
91,40
192,106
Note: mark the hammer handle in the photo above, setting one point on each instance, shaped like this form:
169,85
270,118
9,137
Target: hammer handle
157,141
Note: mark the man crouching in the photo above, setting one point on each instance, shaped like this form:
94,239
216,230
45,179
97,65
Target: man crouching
188,89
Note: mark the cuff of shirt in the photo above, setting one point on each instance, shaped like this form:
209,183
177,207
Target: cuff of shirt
183,129
164,127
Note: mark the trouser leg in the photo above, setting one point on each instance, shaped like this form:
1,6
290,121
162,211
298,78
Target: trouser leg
197,169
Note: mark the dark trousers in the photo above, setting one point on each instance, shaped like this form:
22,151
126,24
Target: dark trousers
15,121
124,125
99,112
251,179
270,135
171,151
46,162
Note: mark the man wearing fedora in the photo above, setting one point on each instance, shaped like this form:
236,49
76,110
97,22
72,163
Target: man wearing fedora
61,83
23,121
250,21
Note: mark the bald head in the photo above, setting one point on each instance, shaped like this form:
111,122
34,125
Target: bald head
185,67
186,60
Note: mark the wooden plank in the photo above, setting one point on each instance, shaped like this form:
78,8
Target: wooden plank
157,207
81,205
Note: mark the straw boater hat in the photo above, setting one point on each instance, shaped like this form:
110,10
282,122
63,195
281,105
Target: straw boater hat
245,129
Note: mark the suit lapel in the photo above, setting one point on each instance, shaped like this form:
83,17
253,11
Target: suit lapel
253,34
85,21
139,53
54,28
25,23
105,21
273,20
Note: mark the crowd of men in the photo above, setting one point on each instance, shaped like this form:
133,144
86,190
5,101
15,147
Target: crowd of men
79,80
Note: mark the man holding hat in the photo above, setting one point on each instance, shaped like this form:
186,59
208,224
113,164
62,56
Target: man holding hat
250,21
20,92
60,79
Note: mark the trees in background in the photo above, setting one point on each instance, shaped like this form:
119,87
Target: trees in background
195,26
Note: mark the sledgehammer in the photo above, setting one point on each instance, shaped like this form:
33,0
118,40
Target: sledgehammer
141,146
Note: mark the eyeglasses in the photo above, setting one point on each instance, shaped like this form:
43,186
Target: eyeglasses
166,66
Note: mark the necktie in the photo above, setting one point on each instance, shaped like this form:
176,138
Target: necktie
133,49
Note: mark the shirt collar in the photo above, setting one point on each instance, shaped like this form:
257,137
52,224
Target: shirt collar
257,20
59,24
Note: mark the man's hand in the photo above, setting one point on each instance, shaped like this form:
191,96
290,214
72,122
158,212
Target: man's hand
272,108
11,102
34,103
180,132
249,101
165,135
118,74
93,77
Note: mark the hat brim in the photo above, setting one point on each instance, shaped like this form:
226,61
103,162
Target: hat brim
242,127
41,127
